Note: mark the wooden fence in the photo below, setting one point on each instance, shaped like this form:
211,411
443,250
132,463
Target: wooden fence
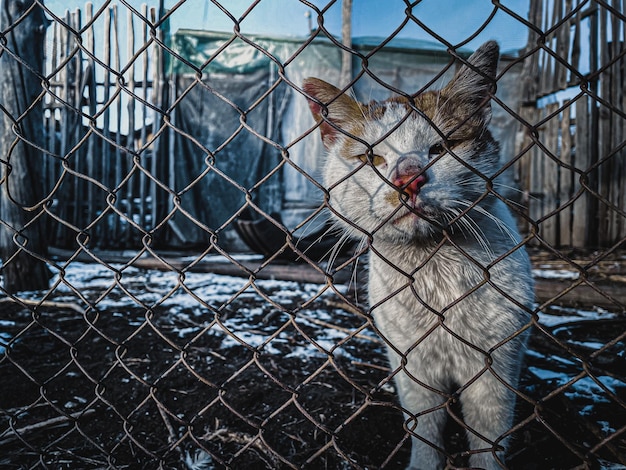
573,167
101,122
104,129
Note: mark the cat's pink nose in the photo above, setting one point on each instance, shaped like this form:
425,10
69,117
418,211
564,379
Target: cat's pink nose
410,184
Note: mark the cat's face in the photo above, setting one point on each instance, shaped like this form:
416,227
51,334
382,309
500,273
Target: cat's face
400,174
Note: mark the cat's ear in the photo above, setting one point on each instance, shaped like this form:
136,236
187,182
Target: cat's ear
336,108
469,92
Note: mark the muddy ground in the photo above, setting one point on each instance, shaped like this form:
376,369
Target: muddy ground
144,369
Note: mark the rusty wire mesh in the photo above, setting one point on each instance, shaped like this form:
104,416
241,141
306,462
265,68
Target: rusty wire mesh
159,344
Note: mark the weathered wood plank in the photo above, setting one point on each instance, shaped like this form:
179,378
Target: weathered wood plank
609,292
22,239
114,225
76,122
621,101
582,161
604,136
616,79
157,84
549,226
130,80
106,158
92,104
565,178
563,47
143,179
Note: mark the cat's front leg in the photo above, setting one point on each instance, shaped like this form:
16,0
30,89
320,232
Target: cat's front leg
426,423
488,408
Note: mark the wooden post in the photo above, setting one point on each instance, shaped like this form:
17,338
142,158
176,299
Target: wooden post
346,40
22,242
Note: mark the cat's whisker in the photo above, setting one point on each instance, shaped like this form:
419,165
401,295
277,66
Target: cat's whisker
475,230
317,240
504,229
353,279
310,226
334,251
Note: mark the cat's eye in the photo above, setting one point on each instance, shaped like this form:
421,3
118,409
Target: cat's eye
436,150
376,160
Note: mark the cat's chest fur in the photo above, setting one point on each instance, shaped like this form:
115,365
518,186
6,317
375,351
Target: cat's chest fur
437,301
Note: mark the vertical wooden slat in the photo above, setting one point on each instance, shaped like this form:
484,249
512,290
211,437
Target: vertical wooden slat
48,128
171,149
604,134
144,113
65,84
156,119
65,198
549,227
582,161
537,187
92,103
106,122
76,127
23,267
575,60
130,29
546,60
528,112
117,162
565,178
621,101
617,172
563,47
555,42
593,221
52,143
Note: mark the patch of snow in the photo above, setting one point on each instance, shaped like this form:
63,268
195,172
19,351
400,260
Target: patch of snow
605,465
550,375
4,336
555,274
588,389
557,315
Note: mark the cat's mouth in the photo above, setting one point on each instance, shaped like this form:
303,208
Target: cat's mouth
412,214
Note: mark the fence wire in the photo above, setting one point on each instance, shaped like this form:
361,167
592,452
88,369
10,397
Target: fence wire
172,296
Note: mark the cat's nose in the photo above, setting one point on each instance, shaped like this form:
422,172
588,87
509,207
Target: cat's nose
409,176
410,184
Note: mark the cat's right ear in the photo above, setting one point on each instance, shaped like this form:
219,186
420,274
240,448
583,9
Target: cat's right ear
331,108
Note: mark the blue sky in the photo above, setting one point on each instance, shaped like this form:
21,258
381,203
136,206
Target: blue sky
455,20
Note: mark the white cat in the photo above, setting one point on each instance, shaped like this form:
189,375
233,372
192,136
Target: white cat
449,283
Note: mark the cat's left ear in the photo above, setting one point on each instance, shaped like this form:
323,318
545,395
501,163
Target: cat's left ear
469,92
337,108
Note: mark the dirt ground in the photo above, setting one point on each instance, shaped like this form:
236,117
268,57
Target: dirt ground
148,371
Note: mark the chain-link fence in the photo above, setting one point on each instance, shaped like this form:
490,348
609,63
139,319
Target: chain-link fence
175,293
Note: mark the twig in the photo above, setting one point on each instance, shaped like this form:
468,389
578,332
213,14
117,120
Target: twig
373,366
339,328
170,430
59,420
344,306
44,303
246,441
